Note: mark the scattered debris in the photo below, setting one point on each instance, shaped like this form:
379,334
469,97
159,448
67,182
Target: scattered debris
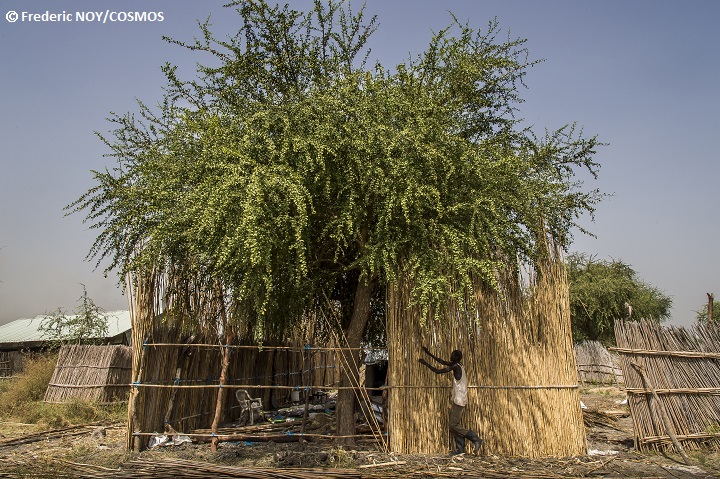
165,440
596,452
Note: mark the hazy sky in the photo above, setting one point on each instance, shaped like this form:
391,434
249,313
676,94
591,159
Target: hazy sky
643,75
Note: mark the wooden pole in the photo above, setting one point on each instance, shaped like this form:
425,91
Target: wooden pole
711,303
660,408
305,367
229,338
220,403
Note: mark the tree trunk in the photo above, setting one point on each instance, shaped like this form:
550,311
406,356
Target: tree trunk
345,415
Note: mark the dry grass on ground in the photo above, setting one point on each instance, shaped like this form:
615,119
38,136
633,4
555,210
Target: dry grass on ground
97,448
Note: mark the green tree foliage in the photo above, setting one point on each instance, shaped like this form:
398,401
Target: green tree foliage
701,316
603,291
294,172
88,323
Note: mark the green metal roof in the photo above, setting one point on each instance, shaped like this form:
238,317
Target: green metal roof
26,330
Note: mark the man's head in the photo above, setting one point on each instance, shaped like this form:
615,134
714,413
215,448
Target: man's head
456,356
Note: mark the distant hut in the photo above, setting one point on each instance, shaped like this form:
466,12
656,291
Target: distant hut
24,336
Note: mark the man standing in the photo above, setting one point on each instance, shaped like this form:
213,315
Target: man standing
459,398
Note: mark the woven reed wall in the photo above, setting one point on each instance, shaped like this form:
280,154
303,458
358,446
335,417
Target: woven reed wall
6,366
90,373
170,383
596,364
193,408
521,340
12,363
683,365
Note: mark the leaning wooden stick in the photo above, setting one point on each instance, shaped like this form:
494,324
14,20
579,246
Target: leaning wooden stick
661,410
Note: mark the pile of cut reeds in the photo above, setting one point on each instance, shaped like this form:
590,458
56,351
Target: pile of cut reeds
596,364
518,355
90,373
683,367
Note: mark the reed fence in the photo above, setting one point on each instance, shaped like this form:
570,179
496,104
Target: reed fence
183,381
518,354
597,365
90,373
680,396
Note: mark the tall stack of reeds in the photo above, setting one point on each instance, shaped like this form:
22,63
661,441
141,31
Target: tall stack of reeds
90,373
518,354
683,367
596,364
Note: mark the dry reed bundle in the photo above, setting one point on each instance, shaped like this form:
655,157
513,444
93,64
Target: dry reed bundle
518,355
682,367
90,373
596,364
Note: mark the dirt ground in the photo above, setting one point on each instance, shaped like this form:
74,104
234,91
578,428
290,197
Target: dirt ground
99,451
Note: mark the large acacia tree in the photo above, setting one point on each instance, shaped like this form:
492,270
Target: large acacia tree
292,167
602,291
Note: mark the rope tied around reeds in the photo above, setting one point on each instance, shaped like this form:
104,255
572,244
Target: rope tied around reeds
307,347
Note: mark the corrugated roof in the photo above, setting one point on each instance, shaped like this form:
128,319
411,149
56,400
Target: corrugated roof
26,330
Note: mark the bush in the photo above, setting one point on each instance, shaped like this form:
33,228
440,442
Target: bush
30,386
22,400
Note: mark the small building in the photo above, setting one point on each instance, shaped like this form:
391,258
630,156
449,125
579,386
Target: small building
24,336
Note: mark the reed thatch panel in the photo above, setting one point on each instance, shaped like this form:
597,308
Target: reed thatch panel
595,364
683,366
518,354
90,373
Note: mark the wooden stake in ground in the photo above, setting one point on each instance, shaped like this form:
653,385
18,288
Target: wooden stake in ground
305,367
229,338
711,303
661,410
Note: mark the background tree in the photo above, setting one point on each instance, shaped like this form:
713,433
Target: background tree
702,313
88,323
603,291
297,176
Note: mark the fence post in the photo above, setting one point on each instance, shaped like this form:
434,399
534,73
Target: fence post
711,303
